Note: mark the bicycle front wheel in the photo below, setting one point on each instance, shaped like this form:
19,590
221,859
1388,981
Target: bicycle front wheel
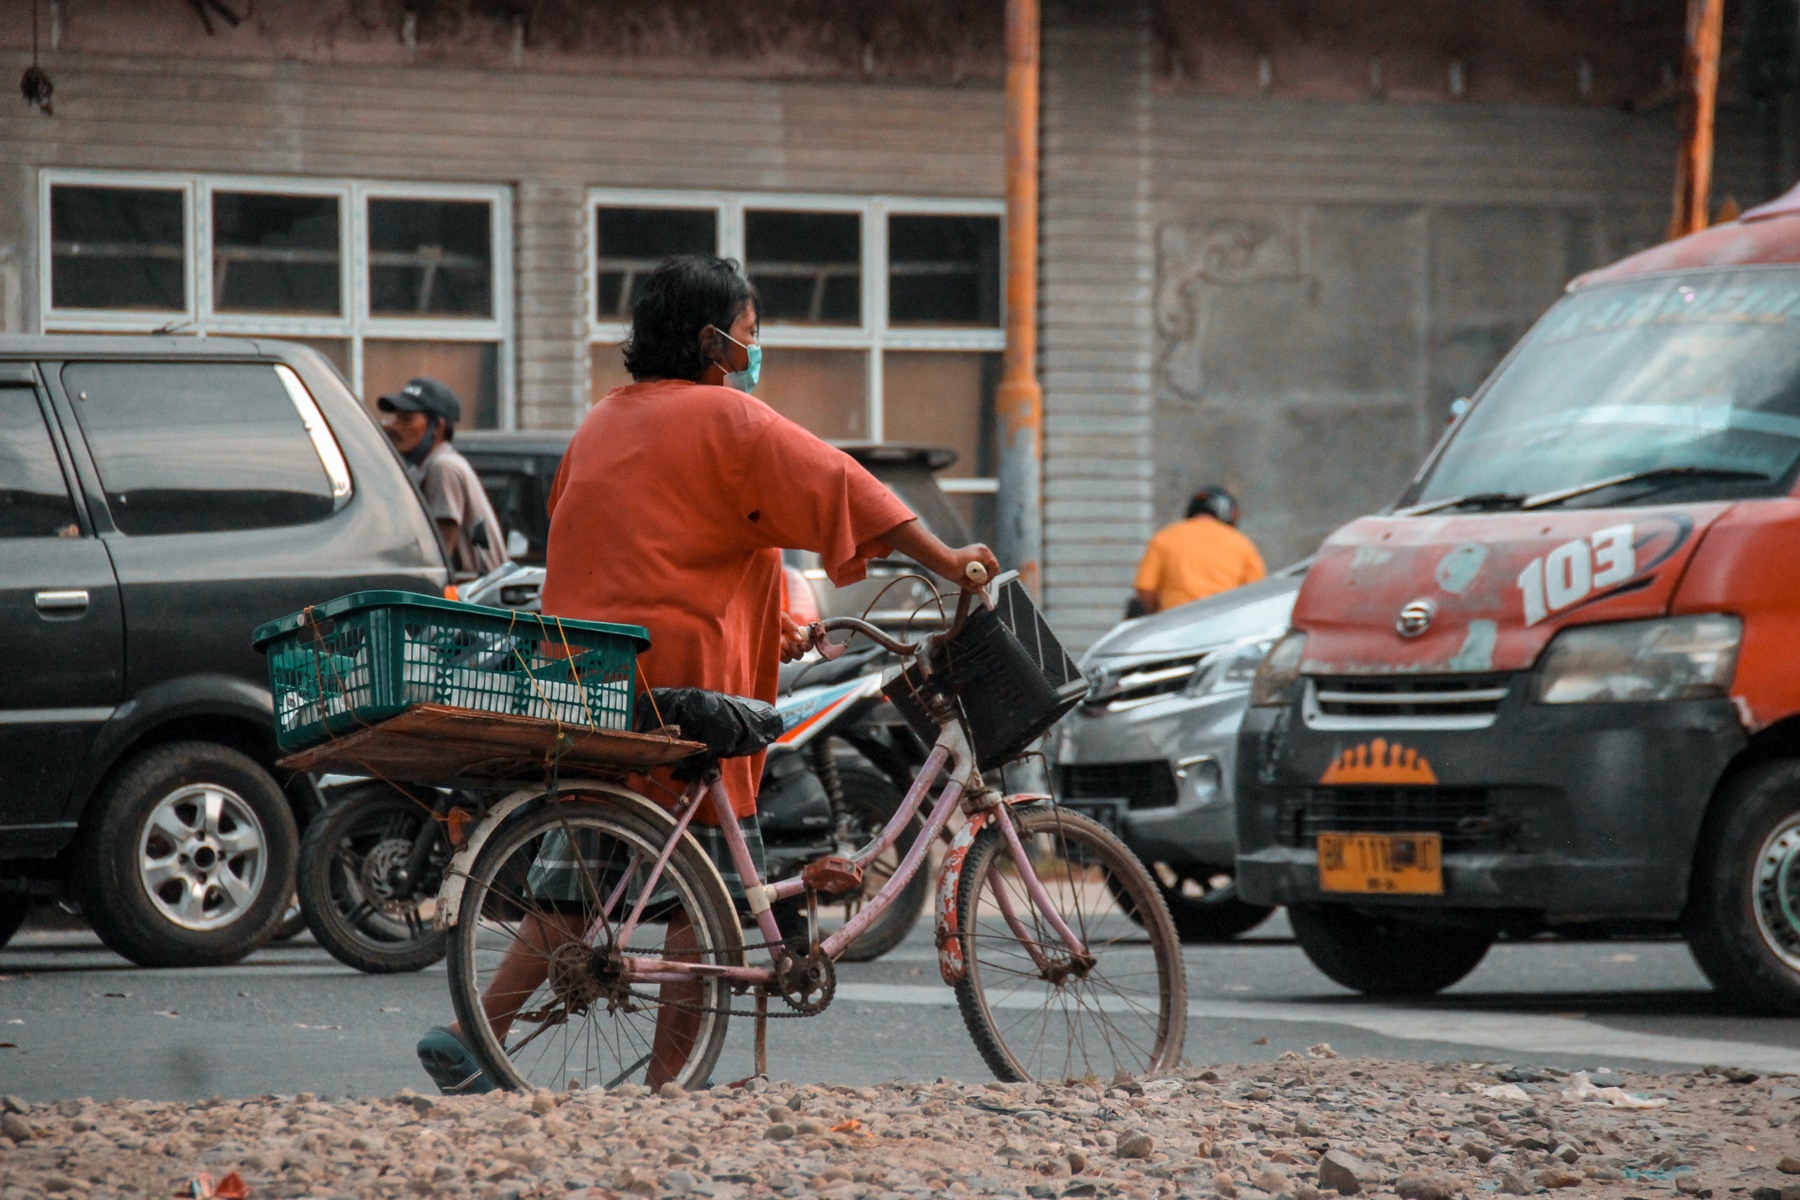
1038,1011
535,959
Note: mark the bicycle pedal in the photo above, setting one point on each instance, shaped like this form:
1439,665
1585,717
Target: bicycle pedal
833,875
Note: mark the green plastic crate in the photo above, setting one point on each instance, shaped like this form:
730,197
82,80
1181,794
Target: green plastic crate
368,656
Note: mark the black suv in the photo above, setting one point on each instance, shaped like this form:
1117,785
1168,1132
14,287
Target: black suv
159,499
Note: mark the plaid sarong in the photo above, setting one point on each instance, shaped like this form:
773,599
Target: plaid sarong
556,874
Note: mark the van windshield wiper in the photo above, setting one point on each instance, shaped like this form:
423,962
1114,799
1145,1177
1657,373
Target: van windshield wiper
1654,475
1485,501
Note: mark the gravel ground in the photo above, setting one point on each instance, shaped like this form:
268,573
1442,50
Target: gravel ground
1303,1126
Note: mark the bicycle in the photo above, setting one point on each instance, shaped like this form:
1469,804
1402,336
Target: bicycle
617,912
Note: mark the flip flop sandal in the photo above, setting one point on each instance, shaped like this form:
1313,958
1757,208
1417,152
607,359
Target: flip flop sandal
451,1064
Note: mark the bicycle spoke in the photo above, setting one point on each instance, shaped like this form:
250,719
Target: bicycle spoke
1055,1016
540,893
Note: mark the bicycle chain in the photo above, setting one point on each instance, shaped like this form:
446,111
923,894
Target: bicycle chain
827,992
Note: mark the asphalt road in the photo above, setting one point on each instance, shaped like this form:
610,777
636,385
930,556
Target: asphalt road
82,1022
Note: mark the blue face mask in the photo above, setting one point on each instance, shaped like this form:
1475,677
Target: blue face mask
746,379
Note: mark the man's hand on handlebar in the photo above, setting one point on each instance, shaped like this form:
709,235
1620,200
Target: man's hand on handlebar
918,543
969,557
795,641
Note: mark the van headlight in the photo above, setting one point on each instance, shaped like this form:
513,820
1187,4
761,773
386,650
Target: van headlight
1230,668
1272,685
1673,658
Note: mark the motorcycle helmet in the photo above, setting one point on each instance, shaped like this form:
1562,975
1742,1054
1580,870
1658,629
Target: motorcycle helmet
1215,500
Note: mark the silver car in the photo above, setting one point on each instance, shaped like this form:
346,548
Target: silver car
1150,751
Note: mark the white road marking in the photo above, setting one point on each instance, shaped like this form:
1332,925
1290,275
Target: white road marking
1521,1033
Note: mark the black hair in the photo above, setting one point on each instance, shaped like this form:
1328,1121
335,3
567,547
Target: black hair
681,297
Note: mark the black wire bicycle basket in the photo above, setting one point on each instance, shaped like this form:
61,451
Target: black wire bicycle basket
1004,674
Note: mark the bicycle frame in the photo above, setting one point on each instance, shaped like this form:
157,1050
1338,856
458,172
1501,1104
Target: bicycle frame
951,753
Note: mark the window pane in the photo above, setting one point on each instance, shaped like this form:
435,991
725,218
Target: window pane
430,258
197,447
630,242
276,254
808,266
943,398
944,270
606,370
946,398
471,369
824,390
119,248
34,498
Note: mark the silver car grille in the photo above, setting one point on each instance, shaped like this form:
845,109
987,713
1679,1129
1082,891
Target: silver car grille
1404,701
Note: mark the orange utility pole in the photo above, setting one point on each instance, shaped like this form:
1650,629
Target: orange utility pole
1020,401
1700,90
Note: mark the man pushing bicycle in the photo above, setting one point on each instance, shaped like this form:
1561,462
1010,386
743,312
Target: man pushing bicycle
670,510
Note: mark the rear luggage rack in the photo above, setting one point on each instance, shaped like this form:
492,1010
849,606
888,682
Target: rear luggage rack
1404,701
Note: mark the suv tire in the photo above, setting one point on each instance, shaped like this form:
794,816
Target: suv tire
13,911
1213,916
1381,957
188,857
1743,912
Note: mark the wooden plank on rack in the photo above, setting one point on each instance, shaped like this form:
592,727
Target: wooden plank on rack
434,743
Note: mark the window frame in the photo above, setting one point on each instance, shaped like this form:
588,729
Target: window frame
353,325
873,334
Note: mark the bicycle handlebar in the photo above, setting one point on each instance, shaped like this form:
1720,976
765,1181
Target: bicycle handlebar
976,574
872,632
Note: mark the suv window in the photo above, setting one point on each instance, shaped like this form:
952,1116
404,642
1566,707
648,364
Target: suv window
34,498
198,447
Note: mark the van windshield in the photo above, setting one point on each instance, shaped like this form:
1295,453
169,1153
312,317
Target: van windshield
1695,376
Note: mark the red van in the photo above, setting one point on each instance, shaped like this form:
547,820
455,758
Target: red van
1557,686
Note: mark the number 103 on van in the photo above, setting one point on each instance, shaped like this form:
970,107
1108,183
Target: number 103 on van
1574,570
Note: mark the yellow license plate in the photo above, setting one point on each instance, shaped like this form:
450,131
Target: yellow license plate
1394,863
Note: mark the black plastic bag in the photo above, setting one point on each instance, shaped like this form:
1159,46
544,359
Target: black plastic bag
730,726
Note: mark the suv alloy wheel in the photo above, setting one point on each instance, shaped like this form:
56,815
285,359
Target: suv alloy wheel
188,859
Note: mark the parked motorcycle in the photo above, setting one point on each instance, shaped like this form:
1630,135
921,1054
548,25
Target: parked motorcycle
834,780
370,867
371,863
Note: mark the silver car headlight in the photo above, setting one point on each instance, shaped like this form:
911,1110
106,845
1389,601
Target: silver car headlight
1673,658
1272,684
1230,668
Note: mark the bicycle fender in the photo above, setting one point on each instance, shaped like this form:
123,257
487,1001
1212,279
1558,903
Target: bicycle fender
949,945
456,875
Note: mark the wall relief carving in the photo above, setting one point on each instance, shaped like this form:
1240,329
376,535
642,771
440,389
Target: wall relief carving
1196,265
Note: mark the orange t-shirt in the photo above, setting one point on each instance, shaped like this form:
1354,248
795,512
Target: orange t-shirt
1196,558
670,511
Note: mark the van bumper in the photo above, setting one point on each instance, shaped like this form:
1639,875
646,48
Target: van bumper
1555,814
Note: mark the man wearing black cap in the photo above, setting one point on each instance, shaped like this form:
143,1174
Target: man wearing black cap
420,419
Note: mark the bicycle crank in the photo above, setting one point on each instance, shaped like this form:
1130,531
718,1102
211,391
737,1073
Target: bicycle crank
806,983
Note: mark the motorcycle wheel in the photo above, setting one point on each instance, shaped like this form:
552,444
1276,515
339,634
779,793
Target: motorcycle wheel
872,799
347,890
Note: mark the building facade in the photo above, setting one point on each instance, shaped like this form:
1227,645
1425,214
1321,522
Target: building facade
1277,239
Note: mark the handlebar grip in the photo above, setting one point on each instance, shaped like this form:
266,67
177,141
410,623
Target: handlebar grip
977,573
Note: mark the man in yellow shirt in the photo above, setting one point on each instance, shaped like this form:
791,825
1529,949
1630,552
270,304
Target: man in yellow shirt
1198,557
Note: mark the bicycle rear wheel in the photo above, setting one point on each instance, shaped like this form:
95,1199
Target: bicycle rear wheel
539,999
1046,1016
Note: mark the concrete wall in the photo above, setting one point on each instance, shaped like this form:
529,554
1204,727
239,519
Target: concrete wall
1328,282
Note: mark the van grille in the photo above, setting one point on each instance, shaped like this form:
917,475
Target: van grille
1139,784
1461,814
1442,701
